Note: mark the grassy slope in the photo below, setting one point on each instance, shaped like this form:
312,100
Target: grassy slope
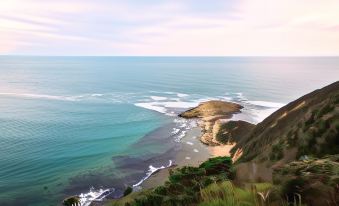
227,194
233,131
310,124
292,145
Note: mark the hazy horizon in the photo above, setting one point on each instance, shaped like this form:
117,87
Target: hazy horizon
40,55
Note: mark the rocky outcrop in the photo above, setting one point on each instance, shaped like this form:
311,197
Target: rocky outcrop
214,108
211,114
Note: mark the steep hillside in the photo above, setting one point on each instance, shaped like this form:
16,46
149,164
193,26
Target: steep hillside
306,126
233,131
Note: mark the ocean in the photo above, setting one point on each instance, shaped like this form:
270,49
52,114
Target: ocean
93,125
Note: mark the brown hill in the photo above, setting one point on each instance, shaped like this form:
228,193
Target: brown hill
306,126
233,131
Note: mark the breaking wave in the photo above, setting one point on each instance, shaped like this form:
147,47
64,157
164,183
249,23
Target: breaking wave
152,170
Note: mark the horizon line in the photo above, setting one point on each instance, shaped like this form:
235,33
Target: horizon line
39,55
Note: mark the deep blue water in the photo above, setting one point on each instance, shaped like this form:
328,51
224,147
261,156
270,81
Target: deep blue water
70,123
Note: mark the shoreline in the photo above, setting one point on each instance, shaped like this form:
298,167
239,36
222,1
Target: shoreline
192,152
192,149
199,143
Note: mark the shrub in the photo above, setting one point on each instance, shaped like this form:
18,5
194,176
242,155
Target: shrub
71,201
185,183
186,174
336,99
128,191
326,109
277,152
292,139
161,190
332,142
309,121
217,165
292,187
207,181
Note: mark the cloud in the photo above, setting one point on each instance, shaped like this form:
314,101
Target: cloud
150,27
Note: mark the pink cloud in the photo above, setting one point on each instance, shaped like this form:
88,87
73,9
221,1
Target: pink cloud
247,27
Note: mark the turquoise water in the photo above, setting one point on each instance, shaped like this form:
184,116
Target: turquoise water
71,123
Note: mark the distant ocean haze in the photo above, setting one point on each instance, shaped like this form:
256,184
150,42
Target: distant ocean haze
72,125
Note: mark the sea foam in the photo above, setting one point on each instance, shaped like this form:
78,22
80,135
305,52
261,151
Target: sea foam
98,195
41,96
158,98
152,170
166,107
94,195
267,104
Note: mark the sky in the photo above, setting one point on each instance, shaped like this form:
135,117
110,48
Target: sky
170,28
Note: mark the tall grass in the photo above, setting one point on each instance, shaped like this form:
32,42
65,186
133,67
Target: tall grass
226,194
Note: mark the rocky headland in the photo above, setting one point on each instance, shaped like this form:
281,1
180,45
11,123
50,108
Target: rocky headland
212,116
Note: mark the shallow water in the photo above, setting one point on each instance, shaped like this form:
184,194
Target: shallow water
71,123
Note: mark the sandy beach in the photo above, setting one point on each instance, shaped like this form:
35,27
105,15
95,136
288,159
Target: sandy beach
192,152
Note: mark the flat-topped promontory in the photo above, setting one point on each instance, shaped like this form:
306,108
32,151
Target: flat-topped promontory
212,108
211,114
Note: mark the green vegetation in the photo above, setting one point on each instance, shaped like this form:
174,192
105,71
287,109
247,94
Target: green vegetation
292,138
184,184
224,135
71,201
233,131
277,152
217,165
315,180
292,187
321,138
226,194
309,121
128,191
210,185
308,124
326,109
